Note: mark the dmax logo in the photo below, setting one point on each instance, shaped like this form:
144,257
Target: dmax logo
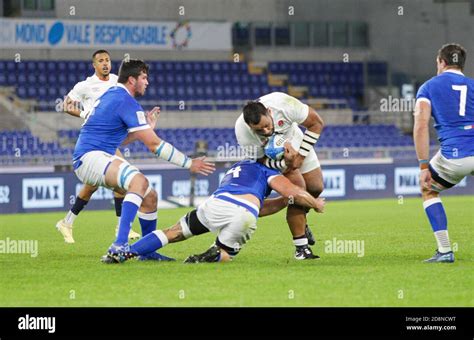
334,183
406,181
43,192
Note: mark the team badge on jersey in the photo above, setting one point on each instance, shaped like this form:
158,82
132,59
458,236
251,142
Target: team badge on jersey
141,117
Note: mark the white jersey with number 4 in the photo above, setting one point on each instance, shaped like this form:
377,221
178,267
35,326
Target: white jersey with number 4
88,91
287,113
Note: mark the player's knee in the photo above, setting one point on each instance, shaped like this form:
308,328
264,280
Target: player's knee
428,193
227,252
151,197
138,184
87,191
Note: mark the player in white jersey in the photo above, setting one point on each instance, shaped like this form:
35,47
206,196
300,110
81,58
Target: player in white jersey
78,103
279,113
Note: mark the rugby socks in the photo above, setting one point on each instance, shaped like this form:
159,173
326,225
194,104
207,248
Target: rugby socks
150,243
147,222
118,201
77,207
300,241
439,223
130,206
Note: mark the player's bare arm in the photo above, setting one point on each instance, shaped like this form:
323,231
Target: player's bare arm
273,205
168,152
421,136
295,194
314,126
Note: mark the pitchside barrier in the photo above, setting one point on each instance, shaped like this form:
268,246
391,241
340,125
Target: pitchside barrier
38,189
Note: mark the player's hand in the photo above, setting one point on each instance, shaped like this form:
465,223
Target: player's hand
201,166
425,180
320,204
293,159
152,116
289,155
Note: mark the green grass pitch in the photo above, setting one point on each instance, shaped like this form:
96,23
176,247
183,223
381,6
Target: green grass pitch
397,237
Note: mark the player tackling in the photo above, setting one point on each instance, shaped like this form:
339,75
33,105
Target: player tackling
231,211
449,98
84,94
116,118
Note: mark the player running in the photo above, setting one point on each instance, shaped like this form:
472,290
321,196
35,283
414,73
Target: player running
231,212
117,118
84,94
279,113
449,98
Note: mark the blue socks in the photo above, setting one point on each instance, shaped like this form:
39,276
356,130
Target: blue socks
150,243
439,223
147,222
435,211
130,206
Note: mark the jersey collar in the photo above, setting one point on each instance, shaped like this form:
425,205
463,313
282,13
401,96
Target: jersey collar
454,71
123,86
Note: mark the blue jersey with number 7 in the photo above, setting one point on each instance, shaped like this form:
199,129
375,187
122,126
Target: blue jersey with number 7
451,95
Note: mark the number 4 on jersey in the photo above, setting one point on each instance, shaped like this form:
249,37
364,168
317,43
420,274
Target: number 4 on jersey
235,172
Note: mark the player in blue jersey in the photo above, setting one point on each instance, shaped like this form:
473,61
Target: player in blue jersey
449,98
231,212
117,118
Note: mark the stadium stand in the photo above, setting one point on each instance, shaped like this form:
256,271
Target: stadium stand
359,137
197,80
225,84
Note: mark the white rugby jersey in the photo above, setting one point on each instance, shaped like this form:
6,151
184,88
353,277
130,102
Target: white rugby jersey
287,113
86,92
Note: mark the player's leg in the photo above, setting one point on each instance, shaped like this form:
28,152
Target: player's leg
128,180
234,224
147,215
296,219
188,226
65,225
118,200
445,173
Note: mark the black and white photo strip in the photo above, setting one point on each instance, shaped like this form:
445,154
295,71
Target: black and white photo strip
301,168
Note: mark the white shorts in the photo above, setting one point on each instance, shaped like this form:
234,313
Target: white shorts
310,162
92,167
449,172
233,222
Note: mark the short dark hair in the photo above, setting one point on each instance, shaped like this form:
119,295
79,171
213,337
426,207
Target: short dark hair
453,55
99,52
131,68
253,111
